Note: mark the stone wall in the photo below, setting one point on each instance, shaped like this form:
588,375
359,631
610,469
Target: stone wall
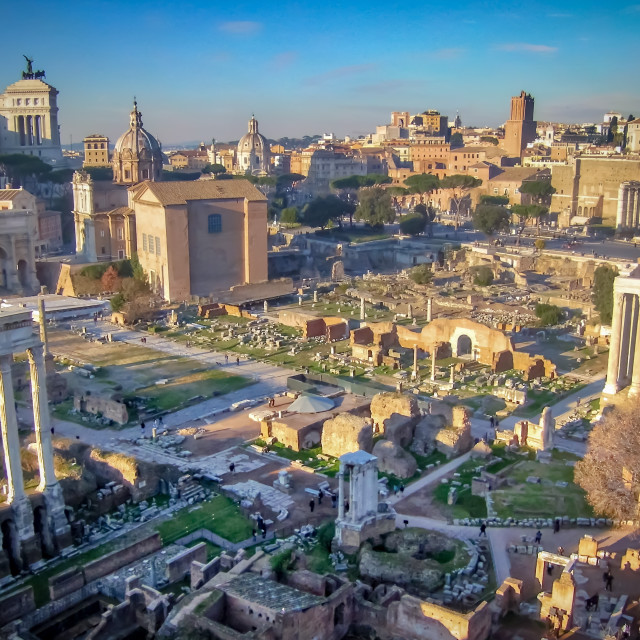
108,407
414,619
202,573
346,433
16,605
178,567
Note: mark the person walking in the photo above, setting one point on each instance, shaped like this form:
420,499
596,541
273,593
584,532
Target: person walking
483,529
538,537
556,525
312,505
320,497
238,360
226,359
232,467
608,581
401,489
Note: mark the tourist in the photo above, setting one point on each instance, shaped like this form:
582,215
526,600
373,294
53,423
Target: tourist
538,537
346,506
312,505
320,497
550,570
483,529
592,602
226,359
560,551
556,525
334,501
238,360
142,425
492,421
401,489
608,581
232,467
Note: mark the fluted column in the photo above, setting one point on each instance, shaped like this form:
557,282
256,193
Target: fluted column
613,365
341,492
633,336
16,496
41,417
634,389
625,339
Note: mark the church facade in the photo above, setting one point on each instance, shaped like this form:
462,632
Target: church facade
29,118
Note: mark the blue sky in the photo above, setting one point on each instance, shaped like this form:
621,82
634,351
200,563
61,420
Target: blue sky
200,69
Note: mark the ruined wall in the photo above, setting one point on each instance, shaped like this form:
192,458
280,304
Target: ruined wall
346,433
107,407
180,565
16,604
414,619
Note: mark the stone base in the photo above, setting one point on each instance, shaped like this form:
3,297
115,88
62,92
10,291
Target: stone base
349,536
64,539
31,551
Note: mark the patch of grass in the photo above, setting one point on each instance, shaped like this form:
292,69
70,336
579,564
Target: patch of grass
425,461
219,515
179,390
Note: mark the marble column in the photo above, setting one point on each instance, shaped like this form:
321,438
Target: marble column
633,336
429,303
43,325
634,389
362,310
16,497
414,374
49,485
613,366
341,492
433,363
625,338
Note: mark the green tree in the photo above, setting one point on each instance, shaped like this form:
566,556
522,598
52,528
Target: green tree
421,274
489,140
289,215
319,211
540,244
422,183
549,314
539,190
482,276
17,166
459,185
522,211
501,200
117,302
603,278
215,168
456,141
490,218
375,207
100,173
413,224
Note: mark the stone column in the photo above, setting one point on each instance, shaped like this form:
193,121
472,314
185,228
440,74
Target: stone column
414,375
613,366
78,227
621,214
43,325
433,363
12,275
341,492
362,311
429,303
625,340
49,484
353,494
634,389
633,335
636,217
16,496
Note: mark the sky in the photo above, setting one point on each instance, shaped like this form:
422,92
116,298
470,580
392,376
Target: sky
199,70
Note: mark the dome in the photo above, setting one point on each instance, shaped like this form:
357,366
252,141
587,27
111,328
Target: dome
253,151
136,138
137,154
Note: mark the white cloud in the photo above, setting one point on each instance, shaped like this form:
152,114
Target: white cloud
241,27
525,46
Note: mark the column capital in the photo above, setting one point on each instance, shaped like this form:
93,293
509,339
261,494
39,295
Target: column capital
36,352
6,360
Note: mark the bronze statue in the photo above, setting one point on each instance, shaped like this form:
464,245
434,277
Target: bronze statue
29,64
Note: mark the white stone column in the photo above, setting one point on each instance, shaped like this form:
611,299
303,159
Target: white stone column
621,215
613,366
429,303
636,213
41,417
16,496
341,492
634,389
633,335
433,363
625,339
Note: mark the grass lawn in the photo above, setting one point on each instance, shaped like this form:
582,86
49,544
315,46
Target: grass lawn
179,390
354,234
307,456
219,515
546,500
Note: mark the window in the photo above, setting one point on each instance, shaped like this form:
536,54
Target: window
120,234
102,233
144,241
215,223
157,246
35,101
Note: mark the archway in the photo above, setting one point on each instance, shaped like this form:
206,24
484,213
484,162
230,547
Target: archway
22,273
11,546
464,346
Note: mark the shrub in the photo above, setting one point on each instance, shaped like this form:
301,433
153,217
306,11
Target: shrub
281,562
549,314
421,274
413,224
482,276
117,302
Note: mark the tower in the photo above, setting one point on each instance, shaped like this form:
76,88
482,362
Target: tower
253,155
520,129
96,151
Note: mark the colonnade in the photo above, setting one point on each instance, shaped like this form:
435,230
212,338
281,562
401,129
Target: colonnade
624,346
628,215
16,334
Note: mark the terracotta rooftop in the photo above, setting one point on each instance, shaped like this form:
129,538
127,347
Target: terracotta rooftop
180,192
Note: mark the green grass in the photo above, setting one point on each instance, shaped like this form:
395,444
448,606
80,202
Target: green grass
219,515
432,458
306,456
525,500
355,234
179,390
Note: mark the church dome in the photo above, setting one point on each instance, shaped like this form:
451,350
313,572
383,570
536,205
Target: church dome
253,151
137,138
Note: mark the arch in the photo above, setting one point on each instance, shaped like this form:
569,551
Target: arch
464,346
22,272
11,546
